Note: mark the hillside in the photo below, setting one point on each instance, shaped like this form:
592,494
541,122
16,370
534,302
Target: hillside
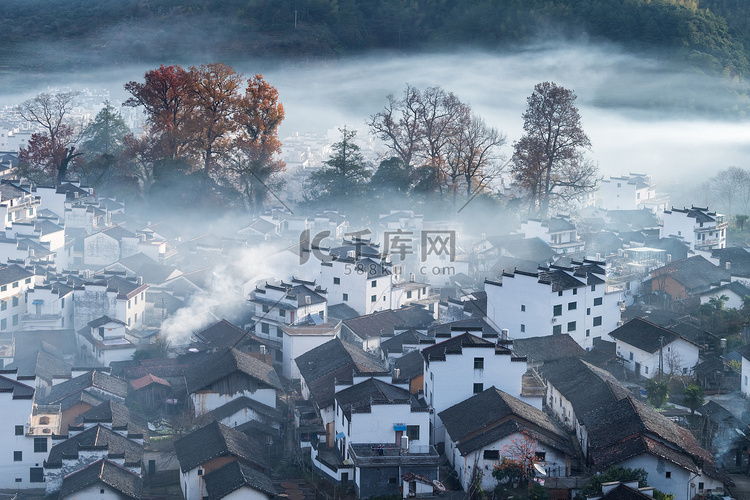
710,36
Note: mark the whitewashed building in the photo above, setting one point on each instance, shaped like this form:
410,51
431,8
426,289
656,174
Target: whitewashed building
696,226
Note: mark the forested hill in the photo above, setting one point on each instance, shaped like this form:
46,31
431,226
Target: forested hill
711,34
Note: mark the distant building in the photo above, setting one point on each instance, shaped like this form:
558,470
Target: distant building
696,226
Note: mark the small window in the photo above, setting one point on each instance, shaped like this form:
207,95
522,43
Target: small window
373,283
540,456
19,430
15,285
408,295
523,307
646,367
265,309
282,313
279,333
557,310
374,298
15,301
478,388
136,300
588,332
597,321
36,474
200,472
18,456
264,328
572,306
523,328
571,326
129,304
631,356
345,297
412,432
557,330
3,305
336,281
3,324
40,445
598,301
4,288
593,288
668,474
559,294
491,454
588,311
27,281
479,363
575,291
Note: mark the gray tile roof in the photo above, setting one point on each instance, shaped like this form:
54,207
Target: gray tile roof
238,404
645,335
493,414
216,440
234,476
13,273
104,471
360,397
549,348
97,435
108,386
383,322
227,362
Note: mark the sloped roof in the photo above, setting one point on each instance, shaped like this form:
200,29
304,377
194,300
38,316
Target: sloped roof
148,380
40,364
19,390
223,334
569,375
493,414
360,397
455,345
226,362
332,361
234,476
155,274
342,312
97,435
528,248
396,344
116,414
695,273
237,404
12,273
109,473
216,440
548,348
72,388
410,365
645,335
134,262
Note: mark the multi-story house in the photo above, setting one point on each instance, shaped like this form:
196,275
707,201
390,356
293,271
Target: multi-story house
555,300
558,232
16,203
630,192
696,226
14,282
357,275
279,304
467,364
113,295
48,307
383,431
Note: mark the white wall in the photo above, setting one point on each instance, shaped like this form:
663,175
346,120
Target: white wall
294,346
683,353
204,402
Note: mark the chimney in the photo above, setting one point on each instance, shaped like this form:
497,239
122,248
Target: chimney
728,265
504,334
396,373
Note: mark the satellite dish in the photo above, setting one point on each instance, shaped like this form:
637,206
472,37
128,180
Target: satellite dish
540,470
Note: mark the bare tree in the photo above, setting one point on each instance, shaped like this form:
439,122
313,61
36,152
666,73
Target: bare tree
399,124
548,161
730,187
49,153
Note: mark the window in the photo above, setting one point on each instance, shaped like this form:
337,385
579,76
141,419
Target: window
701,486
3,324
557,330
200,472
15,301
597,321
282,313
62,303
336,281
593,288
19,429
588,332
15,285
668,474
477,389
136,300
135,318
27,281
491,454
559,294
3,305
374,298
540,456
40,445
572,306
18,456
523,307
598,301
557,310
575,291
36,474
646,370
264,328
345,297
588,311
684,371
523,328
265,309
279,334
571,326
373,283
4,288
408,295
128,321
479,363
631,356
412,432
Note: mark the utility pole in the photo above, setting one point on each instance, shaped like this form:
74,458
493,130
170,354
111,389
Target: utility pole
661,356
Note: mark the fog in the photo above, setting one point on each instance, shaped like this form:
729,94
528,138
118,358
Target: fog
640,114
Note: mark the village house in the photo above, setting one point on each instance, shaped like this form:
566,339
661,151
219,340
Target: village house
358,275
210,450
696,226
366,331
734,292
402,342
649,349
17,204
630,192
109,245
321,368
283,303
492,426
297,340
113,295
102,479
105,340
45,366
14,282
687,278
744,352
48,307
467,364
229,374
559,233
555,300
628,433
383,430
